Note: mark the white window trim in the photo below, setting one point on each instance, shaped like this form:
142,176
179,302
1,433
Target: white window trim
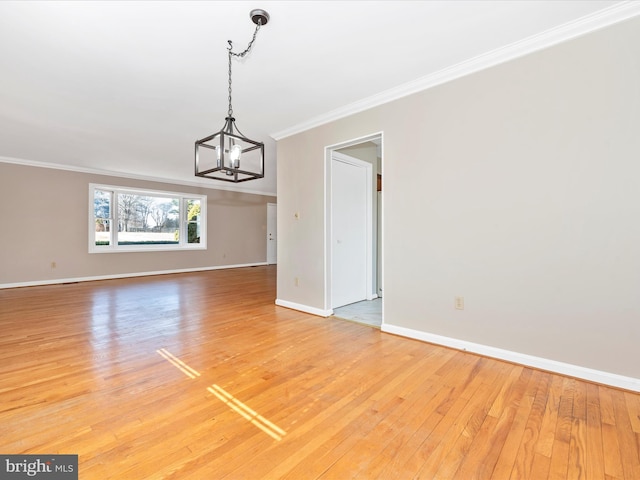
115,248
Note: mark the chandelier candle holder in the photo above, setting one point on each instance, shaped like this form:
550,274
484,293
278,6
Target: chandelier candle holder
228,155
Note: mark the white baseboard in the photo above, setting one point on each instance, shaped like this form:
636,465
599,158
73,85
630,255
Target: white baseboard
304,308
123,275
598,376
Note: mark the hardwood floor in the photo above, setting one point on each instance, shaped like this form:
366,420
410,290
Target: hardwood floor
201,376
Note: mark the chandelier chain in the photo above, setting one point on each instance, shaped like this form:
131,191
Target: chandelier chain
239,55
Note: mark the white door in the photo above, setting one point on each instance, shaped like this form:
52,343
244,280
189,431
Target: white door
349,223
272,233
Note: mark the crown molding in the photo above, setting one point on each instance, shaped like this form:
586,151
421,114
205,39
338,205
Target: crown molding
582,26
147,178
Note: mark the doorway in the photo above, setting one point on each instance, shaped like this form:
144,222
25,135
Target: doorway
272,233
353,207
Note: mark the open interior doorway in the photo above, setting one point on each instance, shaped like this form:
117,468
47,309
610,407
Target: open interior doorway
272,233
353,229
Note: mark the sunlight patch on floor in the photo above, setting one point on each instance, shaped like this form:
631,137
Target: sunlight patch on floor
236,405
179,364
258,420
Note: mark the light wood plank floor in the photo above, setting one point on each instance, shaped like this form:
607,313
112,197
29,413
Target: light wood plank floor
200,376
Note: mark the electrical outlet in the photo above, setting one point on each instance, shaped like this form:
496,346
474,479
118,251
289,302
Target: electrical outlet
54,264
295,281
458,303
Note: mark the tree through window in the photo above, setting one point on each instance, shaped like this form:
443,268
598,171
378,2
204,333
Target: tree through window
124,219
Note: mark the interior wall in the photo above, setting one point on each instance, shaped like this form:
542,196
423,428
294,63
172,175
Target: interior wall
44,214
515,187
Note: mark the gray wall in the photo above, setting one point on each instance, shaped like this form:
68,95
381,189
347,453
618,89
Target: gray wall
44,214
515,187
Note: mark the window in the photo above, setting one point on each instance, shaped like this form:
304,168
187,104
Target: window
129,220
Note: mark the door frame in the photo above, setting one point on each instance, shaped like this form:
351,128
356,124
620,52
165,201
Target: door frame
328,152
271,206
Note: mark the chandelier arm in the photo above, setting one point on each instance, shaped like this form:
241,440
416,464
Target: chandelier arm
238,130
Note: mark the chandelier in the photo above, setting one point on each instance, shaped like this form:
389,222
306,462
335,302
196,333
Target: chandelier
229,155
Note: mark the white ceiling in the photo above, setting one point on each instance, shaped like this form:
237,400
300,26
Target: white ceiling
127,87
